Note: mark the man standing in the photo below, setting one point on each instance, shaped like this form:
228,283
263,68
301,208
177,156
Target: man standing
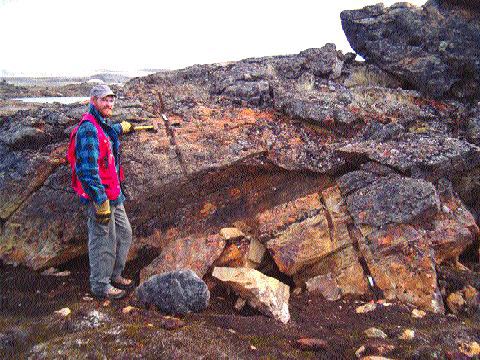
96,175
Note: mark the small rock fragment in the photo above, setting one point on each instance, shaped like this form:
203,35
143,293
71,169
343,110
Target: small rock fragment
239,304
128,309
64,312
326,285
256,251
375,333
62,273
297,291
312,344
471,349
360,351
366,308
407,334
374,346
418,314
472,298
171,323
49,271
455,302
54,272
231,233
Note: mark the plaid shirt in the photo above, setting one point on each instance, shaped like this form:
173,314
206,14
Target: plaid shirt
87,151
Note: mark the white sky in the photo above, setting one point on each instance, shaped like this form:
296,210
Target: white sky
66,37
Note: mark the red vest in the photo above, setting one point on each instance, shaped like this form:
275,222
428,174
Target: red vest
106,162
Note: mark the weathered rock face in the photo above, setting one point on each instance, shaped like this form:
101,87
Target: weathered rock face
433,48
195,253
341,181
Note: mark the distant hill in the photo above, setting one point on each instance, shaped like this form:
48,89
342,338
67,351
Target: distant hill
109,77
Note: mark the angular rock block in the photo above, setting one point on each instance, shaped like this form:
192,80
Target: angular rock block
266,294
273,221
393,200
195,252
177,292
344,270
403,266
302,244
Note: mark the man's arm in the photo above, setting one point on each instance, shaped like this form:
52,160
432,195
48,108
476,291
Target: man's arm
118,128
86,167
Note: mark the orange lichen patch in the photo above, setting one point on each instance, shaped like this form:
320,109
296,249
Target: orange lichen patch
208,209
203,111
234,193
234,255
249,113
17,255
385,240
436,104
293,141
57,156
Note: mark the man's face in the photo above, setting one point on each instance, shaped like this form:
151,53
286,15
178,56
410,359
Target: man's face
104,105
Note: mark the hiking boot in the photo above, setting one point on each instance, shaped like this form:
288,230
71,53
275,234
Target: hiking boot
122,283
112,294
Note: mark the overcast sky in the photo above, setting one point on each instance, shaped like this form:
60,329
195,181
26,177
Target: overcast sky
65,37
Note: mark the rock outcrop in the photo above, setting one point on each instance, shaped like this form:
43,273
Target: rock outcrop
433,48
352,187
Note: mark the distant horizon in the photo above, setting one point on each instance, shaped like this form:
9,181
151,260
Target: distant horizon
130,73
79,39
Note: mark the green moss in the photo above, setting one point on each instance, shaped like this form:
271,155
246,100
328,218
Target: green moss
259,341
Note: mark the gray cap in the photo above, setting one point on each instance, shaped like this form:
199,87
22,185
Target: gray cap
101,90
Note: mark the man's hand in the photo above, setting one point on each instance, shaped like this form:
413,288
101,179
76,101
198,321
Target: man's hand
126,127
103,212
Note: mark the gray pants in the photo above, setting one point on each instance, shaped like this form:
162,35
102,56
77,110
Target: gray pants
108,246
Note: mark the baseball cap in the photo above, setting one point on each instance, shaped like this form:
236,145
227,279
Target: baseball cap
101,90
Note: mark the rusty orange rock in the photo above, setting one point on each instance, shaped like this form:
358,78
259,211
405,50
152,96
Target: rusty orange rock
195,252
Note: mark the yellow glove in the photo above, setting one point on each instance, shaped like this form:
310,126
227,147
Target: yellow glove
103,212
126,127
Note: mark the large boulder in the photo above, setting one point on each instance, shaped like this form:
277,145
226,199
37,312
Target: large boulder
176,292
433,48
